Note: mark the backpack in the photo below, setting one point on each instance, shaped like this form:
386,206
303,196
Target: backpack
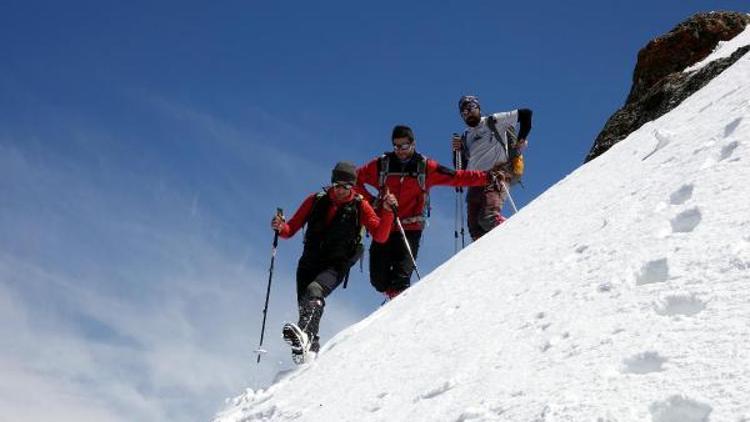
421,176
511,151
315,223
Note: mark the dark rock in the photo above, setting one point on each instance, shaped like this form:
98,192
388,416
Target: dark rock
659,83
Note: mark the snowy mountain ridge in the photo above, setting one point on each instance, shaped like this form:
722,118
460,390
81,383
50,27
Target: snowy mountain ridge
617,301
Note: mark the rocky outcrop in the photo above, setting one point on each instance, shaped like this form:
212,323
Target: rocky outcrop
659,83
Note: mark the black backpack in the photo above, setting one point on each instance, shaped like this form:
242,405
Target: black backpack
315,231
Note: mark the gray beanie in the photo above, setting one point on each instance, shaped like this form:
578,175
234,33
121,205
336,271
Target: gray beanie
466,100
344,172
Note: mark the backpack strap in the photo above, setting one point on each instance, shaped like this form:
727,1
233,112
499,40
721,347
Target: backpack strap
358,242
510,132
464,154
422,173
511,147
318,196
383,165
492,124
422,180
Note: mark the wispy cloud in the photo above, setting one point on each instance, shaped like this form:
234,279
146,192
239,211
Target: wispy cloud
131,282
273,158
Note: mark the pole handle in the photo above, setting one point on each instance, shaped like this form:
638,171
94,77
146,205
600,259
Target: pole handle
279,213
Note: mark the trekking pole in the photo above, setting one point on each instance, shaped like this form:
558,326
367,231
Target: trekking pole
460,201
459,209
259,350
463,217
456,214
510,198
406,243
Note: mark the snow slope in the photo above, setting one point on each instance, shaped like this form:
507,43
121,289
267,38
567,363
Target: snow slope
621,294
723,49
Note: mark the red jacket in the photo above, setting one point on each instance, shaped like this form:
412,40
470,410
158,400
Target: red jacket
402,181
379,227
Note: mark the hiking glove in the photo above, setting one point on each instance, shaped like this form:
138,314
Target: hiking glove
278,223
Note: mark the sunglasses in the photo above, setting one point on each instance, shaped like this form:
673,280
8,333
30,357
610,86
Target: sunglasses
342,185
402,147
468,108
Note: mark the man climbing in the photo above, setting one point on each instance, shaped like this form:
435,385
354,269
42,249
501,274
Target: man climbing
490,143
335,218
409,176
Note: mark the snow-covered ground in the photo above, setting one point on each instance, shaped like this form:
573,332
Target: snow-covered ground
723,49
621,294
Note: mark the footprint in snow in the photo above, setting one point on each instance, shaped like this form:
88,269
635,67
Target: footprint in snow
701,150
373,408
731,127
440,389
679,409
681,195
663,138
727,150
478,414
680,304
686,221
643,363
656,271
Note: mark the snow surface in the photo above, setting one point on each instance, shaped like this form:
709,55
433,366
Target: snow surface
621,294
723,49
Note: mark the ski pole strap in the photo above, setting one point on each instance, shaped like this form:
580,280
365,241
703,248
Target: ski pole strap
346,279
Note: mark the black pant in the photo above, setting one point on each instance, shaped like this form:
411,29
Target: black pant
327,277
390,264
328,273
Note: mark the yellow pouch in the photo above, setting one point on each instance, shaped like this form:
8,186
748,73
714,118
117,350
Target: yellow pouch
517,163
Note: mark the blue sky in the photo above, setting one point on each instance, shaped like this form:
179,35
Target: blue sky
144,147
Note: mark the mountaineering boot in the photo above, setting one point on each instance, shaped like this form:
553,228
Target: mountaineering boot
311,312
298,340
303,336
